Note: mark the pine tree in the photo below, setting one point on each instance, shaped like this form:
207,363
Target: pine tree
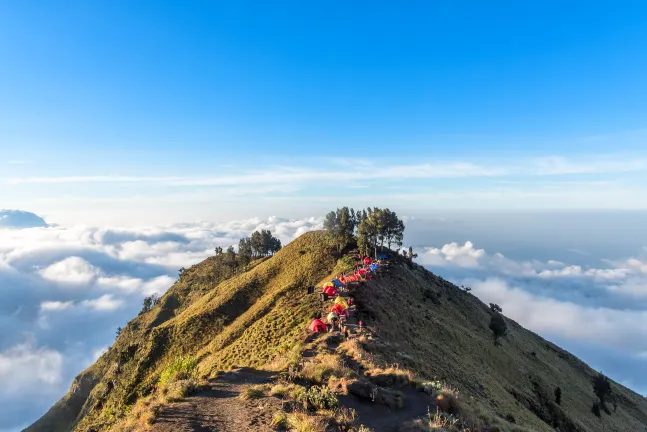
245,250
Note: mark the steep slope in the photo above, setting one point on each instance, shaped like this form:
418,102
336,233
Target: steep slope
432,327
244,320
258,315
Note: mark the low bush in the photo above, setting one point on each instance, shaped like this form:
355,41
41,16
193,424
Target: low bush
178,390
179,369
280,420
252,392
321,398
302,422
279,390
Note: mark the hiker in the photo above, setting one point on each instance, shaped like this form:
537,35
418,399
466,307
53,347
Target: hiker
362,326
333,319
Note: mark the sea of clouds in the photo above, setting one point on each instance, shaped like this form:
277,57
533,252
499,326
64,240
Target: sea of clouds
65,290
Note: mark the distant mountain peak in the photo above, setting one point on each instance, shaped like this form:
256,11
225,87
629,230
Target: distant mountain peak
19,219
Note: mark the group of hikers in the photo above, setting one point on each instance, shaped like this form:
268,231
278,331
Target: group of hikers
339,312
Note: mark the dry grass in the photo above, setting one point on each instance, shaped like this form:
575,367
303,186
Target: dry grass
323,366
280,420
303,422
252,392
142,415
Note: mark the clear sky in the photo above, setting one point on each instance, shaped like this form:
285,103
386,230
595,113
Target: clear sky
158,107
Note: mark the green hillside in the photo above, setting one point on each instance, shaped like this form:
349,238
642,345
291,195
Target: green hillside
257,316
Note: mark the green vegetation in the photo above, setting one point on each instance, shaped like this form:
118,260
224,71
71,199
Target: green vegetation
498,326
252,392
369,228
233,311
149,303
321,398
179,369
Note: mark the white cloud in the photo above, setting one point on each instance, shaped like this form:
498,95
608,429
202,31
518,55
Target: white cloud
25,366
368,170
623,277
104,303
72,270
453,253
56,305
621,329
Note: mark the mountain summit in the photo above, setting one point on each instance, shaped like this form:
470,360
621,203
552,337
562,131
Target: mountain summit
227,348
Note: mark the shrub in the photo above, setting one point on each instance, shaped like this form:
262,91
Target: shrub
495,308
321,398
595,409
301,422
601,387
179,369
178,390
498,327
280,420
279,390
345,418
251,392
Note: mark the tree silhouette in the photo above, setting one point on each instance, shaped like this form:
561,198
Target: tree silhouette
601,387
498,326
494,308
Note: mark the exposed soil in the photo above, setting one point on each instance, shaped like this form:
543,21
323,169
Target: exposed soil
219,408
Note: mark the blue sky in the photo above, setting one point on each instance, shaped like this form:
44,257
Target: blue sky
511,135
538,104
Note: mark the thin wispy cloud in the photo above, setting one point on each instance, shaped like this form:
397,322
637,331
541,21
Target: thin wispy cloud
366,170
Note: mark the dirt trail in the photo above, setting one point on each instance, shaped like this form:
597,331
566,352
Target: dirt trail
219,409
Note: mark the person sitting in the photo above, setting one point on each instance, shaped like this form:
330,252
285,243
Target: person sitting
333,320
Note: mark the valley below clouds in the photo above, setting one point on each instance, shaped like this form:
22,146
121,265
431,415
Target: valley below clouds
66,290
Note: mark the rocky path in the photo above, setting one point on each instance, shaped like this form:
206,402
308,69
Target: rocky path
219,409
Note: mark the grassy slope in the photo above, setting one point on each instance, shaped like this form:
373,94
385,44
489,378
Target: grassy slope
245,320
423,322
449,339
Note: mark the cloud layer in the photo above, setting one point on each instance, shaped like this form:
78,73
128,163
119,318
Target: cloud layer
66,290
603,306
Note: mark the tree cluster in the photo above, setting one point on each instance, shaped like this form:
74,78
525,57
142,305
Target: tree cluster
376,227
260,244
341,225
373,228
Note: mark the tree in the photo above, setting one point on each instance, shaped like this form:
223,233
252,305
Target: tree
498,327
340,225
494,308
181,271
392,228
149,303
245,250
558,396
119,330
601,387
263,243
257,243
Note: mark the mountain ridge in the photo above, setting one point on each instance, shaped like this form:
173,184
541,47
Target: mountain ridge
257,314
